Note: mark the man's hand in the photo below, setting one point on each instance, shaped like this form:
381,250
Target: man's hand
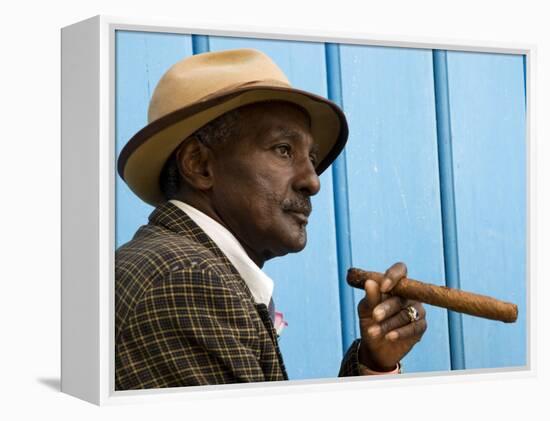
387,331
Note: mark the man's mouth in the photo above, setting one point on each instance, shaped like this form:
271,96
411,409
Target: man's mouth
299,209
299,216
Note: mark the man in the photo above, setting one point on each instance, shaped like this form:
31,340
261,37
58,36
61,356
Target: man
231,157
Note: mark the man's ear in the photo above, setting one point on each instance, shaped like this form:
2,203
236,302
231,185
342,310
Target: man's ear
194,162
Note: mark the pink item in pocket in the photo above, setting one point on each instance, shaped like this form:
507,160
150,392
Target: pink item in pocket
279,324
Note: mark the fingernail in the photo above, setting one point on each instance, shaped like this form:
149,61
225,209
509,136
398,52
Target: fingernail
374,331
386,284
379,313
392,336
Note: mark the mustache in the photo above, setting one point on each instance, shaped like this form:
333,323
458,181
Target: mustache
299,205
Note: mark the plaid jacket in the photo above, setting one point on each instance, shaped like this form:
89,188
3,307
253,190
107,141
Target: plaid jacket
185,317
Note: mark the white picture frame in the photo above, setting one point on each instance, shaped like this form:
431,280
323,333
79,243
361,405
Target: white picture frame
88,178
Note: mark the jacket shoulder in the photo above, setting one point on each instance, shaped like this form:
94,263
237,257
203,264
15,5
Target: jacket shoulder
156,249
150,257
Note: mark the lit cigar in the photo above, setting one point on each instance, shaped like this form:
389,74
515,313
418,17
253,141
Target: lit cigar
450,298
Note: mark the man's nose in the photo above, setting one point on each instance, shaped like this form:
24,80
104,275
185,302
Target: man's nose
307,181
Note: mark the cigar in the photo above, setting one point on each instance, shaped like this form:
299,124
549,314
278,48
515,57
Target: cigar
440,296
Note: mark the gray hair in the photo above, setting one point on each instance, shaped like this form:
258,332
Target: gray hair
220,130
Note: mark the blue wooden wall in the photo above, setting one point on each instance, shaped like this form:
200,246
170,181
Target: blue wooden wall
433,175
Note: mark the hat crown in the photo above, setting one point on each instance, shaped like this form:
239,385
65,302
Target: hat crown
202,75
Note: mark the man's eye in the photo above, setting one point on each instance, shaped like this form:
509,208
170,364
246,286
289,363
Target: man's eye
283,150
313,159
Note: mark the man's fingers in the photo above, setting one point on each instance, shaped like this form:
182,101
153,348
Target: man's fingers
388,307
373,293
371,299
401,318
412,330
392,276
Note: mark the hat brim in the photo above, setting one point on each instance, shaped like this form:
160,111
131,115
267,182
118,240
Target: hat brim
142,159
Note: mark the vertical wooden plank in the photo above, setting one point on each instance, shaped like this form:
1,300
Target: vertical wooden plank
341,210
141,60
306,284
487,106
395,214
448,216
524,60
201,44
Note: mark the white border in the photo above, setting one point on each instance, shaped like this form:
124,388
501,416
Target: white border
107,27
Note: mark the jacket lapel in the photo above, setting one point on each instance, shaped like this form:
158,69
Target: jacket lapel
173,218
263,312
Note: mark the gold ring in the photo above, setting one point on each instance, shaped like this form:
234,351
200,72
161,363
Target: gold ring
412,312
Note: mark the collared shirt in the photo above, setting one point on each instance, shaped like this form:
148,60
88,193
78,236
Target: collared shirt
259,284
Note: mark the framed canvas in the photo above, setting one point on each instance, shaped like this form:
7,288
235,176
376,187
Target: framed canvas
434,174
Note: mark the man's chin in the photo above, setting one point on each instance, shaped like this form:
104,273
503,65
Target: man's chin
285,248
296,244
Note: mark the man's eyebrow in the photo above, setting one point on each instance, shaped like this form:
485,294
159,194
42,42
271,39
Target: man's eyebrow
293,134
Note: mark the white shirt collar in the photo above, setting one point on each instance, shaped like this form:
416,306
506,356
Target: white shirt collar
259,284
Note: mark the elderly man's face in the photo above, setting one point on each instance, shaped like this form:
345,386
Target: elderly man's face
264,180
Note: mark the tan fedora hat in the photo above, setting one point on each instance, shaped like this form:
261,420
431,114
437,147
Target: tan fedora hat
201,88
